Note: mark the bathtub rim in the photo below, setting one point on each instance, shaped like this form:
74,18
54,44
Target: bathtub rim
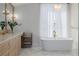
47,38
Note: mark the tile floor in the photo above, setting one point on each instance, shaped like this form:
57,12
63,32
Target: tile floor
37,51
41,52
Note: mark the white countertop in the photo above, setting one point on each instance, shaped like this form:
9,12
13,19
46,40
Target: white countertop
9,36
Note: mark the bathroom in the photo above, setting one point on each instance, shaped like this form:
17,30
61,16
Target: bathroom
36,21
54,28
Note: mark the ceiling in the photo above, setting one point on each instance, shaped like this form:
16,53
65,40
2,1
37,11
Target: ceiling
19,4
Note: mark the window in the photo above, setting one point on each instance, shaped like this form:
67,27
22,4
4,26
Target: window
53,21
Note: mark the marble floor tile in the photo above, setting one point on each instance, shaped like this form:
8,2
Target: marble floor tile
41,52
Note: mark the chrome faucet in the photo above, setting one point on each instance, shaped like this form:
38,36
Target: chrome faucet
54,34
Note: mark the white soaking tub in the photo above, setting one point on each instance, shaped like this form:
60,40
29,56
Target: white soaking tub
56,44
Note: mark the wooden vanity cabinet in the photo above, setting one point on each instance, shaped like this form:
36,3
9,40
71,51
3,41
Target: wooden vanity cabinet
4,48
11,47
15,46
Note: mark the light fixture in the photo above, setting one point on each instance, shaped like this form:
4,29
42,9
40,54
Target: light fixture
11,16
14,16
57,7
6,12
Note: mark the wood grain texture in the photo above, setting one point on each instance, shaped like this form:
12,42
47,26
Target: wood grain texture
11,47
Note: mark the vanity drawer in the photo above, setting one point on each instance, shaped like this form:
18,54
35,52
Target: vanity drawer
4,47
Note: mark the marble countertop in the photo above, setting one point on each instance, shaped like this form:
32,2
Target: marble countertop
9,36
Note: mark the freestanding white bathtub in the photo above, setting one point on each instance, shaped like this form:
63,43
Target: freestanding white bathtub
56,44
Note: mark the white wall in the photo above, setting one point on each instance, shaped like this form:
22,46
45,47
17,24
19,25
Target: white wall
28,15
74,15
74,25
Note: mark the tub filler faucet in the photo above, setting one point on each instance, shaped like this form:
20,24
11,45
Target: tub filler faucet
54,34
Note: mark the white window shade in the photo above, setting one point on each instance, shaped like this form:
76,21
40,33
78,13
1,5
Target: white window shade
48,16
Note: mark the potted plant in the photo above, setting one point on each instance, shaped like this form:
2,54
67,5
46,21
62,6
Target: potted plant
12,24
2,24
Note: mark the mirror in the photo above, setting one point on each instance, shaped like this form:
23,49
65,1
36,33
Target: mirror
6,14
2,18
10,8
